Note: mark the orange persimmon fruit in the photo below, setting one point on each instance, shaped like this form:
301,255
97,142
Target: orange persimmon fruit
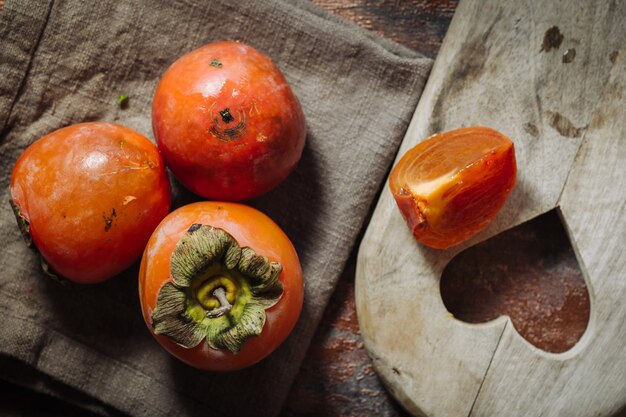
203,249
88,197
227,122
453,184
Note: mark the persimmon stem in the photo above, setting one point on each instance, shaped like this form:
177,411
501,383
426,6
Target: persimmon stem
225,306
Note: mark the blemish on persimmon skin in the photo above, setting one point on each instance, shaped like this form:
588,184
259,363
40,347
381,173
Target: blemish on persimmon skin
108,220
226,116
216,63
231,133
254,108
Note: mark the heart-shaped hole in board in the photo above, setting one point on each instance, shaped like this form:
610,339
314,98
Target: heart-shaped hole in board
529,273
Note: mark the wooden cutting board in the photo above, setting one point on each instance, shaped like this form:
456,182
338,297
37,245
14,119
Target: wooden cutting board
551,75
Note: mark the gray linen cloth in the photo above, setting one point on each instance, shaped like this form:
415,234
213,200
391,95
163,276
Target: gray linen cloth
64,62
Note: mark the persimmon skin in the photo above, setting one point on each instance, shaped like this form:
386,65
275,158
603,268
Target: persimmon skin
469,201
227,122
92,194
250,228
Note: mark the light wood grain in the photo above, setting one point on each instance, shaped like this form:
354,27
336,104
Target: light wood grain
591,380
492,71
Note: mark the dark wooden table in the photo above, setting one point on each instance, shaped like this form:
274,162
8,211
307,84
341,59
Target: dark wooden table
337,377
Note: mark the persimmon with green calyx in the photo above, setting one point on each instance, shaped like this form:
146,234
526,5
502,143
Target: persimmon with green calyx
88,197
220,285
453,184
227,122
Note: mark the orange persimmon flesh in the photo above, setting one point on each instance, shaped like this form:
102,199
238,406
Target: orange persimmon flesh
452,185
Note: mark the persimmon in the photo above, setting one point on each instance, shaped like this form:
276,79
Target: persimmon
88,196
453,184
220,285
227,122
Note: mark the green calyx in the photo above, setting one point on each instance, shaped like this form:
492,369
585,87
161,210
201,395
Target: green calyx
219,293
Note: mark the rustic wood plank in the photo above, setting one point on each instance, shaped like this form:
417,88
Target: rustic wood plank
503,64
591,379
418,24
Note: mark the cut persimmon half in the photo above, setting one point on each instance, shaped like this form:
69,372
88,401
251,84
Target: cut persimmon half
453,184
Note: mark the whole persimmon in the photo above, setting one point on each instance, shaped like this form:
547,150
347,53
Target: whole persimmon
220,285
453,184
88,196
227,122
